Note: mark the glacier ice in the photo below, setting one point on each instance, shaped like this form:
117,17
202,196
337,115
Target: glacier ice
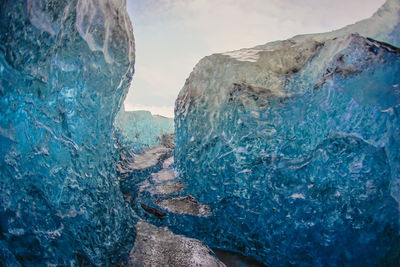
65,68
142,129
295,146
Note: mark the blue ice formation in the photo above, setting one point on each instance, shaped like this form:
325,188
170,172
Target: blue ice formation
295,146
142,129
65,68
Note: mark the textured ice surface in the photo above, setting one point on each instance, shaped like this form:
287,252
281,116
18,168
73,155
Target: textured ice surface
65,68
295,146
141,128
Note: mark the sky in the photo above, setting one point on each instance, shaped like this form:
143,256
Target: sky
171,36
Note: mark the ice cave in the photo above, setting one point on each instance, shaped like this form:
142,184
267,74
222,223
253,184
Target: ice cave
284,154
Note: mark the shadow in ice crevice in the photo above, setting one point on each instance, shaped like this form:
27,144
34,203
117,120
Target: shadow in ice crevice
234,259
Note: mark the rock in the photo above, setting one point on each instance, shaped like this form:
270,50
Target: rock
146,160
168,189
164,175
155,246
168,162
161,189
184,205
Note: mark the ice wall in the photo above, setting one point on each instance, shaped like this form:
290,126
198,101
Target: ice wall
142,129
295,146
65,68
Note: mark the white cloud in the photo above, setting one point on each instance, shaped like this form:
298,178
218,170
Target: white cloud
234,24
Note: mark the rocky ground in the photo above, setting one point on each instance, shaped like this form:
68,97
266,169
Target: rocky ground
153,189
158,246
